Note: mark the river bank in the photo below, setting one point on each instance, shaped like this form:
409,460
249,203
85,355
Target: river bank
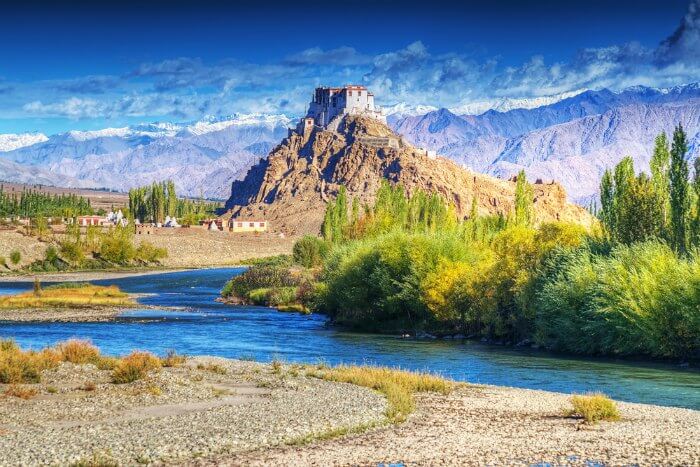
214,411
87,276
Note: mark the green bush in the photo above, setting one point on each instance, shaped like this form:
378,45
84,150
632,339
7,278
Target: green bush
72,251
257,277
148,253
117,246
309,251
15,257
593,408
642,299
375,282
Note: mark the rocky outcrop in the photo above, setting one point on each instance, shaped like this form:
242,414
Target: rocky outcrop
291,187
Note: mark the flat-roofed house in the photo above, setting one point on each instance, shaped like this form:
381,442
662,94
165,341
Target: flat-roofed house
244,225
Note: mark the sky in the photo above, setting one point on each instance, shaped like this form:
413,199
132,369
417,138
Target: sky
89,65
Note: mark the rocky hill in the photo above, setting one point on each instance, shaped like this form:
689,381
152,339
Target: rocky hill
291,187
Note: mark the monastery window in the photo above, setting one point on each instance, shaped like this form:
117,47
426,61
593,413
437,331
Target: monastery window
252,224
240,224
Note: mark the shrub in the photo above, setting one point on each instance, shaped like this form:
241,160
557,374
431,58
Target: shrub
17,366
15,257
641,299
593,407
78,352
3,261
72,251
134,366
117,245
309,251
259,277
172,359
148,253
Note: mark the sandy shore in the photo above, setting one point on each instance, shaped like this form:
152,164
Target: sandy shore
224,412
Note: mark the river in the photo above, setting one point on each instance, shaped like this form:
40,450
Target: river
206,327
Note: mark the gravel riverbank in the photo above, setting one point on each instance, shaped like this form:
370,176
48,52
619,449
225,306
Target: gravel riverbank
207,407
100,314
214,411
489,425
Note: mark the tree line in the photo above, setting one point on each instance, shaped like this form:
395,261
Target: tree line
664,206
152,203
31,203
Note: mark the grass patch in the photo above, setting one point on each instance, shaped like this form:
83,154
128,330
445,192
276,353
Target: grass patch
397,385
213,367
64,296
134,367
593,407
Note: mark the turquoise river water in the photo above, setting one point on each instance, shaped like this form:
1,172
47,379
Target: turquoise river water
206,327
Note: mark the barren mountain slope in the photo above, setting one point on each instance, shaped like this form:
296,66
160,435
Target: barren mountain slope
291,187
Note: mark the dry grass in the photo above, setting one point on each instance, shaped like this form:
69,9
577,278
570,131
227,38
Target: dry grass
213,367
79,352
593,407
83,296
135,366
397,385
172,359
22,392
17,366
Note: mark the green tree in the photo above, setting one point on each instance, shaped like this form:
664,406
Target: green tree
607,202
640,217
659,166
524,200
695,225
679,192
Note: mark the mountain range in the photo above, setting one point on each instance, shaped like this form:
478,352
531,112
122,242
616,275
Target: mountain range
570,138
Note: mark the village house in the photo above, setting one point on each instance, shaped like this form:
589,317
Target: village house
242,225
329,103
84,221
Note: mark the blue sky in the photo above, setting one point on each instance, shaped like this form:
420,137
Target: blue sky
76,66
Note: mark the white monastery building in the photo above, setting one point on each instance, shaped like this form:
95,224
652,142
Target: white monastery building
329,103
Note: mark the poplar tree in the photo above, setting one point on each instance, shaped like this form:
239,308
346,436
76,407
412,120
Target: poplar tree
695,226
524,200
679,192
659,166
607,202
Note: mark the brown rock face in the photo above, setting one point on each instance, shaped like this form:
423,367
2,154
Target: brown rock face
292,186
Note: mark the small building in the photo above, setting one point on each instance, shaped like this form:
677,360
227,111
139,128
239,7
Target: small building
244,225
84,221
212,224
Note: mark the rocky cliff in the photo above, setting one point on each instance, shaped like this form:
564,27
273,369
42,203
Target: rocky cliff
291,187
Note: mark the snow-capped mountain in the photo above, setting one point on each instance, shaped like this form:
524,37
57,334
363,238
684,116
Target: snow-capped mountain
571,141
569,138
11,141
202,157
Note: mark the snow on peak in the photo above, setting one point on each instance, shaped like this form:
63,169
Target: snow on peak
210,124
11,141
403,109
508,103
104,133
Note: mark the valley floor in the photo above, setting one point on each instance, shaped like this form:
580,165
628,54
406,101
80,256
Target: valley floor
214,411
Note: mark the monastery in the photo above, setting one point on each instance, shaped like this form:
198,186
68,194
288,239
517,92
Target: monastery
328,105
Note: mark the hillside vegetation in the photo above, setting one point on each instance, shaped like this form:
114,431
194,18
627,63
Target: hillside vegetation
629,286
